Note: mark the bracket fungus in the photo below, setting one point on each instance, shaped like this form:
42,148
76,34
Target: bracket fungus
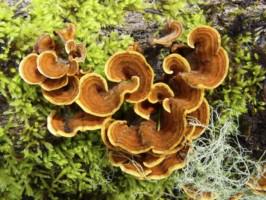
257,184
209,61
123,65
147,165
56,75
28,70
75,51
157,139
44,43
65,95
50,66
95,97
159,91
178,99
68,126
195,194
67,33
174,30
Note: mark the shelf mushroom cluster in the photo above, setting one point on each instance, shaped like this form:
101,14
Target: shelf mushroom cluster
54,65
158,140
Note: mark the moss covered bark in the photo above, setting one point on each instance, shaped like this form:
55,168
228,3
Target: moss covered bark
36,165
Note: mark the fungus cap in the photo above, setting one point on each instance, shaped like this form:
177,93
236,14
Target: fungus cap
68,126
174,30
95,97
124,65
202,117
67,33
128,165
206,41
50,66
54,84
65,95
73,68
211,74
104,130
147,166
144,109
76,52
44,43
28,70
151,160
145,136
171,163
158,93
175,63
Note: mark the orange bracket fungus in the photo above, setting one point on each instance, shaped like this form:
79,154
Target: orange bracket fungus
174,30
69,126
56,75
95,97
50,66
65,95
153,147
195,194
209,61
123,65
257,184
67,33
158,92
166,116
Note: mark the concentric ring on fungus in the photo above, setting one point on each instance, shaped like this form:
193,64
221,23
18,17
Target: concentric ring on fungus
50,66
95,98
65,95
123,65
68,126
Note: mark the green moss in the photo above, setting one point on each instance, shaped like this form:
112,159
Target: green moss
242,88
187,12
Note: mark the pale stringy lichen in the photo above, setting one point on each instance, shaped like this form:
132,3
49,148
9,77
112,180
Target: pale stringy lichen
217,162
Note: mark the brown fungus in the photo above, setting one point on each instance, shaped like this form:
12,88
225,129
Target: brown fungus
149,166
195,194
54,84
75,51
155,144
51,66
67,33
201,118
159,92
208,60
257,184
44,43
174,30
68,126
97,99
28,70
123,65
65,95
